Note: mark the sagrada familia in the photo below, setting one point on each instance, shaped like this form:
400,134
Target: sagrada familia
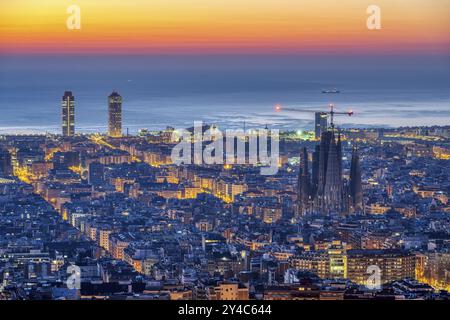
324,190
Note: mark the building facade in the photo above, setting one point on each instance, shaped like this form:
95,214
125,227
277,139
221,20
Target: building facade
68,114
115,115
392,264
320,125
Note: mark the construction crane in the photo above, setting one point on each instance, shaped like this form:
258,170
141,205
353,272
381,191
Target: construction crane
332,112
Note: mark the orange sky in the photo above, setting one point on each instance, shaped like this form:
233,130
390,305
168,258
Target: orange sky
224,26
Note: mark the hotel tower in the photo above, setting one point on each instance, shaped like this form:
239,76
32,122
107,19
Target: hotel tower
68,114
115,115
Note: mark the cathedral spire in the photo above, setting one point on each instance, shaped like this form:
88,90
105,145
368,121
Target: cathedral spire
355,183
339,153
332,194
304,183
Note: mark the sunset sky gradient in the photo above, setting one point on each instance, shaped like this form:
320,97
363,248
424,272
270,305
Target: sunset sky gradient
224,26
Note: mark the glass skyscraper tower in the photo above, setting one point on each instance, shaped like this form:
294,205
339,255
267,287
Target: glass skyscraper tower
115,115
68,114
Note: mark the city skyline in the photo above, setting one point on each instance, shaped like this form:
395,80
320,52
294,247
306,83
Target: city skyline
226,60
114,124
343,214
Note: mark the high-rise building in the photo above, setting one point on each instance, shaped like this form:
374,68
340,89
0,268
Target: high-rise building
68,114
320,124
115,115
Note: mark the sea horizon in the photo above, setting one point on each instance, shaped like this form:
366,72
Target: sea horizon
161,91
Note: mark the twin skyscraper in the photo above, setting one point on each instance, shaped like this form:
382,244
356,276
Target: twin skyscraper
114,114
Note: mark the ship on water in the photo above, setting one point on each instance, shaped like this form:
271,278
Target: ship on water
331,91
